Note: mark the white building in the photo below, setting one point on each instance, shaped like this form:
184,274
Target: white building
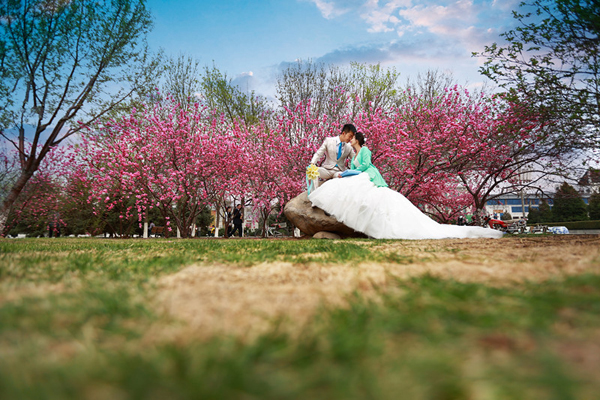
518,204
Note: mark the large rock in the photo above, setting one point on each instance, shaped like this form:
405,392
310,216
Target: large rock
311,220
326,235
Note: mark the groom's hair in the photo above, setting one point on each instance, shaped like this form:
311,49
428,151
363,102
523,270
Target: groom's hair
349,128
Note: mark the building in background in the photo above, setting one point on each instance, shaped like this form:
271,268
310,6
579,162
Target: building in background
518,204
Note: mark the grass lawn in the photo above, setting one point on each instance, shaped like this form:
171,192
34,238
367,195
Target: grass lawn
515,318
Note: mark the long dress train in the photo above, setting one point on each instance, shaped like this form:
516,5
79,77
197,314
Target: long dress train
383,213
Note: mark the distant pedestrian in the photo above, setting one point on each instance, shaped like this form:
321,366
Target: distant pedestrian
53,229
238,219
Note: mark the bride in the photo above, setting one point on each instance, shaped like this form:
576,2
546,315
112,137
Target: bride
365,203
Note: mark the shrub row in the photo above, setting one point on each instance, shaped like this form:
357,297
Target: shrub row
576,224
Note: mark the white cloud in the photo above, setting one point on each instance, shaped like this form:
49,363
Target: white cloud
245,81
329,10
506,5
455,19
382,18
424,50
460,23
421,34
459,20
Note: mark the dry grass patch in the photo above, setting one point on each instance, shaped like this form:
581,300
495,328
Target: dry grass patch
10,293
244,301
499,262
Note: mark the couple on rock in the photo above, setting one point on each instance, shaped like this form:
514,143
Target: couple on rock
362,200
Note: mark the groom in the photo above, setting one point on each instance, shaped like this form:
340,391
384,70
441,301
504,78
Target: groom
336,150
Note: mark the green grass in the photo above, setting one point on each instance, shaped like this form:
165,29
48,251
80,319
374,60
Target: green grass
54,261
423,338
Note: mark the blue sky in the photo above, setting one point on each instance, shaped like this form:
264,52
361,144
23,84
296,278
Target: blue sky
253,40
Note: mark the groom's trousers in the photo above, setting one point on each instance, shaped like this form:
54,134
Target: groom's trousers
328,173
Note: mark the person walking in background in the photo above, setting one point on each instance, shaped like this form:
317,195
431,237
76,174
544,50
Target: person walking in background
238,218
150,227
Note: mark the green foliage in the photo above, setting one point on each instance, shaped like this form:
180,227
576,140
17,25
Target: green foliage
545,211
60,61
305,80
551,61
577,224
374,86
533,216
338,92
542,214
506,216
236,104
430,85
594,206
568,205
182,79
62,66
204,220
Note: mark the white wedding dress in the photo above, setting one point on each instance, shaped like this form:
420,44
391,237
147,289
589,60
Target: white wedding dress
382,213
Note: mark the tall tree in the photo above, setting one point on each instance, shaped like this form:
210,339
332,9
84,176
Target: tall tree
183,79
60,61
306,81
594,206
337,92
568,205
224,97
431,84
553,61
540,215
545,212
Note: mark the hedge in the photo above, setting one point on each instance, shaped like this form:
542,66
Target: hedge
576,224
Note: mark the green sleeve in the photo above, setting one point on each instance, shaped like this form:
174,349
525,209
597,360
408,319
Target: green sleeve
364,159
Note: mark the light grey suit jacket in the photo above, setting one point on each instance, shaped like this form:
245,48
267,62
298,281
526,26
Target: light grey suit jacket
329,149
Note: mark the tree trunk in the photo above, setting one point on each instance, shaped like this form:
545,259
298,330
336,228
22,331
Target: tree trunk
217,220
3,218
8,203
265,217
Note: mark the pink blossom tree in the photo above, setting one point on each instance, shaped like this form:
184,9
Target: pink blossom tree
448,154
39,204
162,157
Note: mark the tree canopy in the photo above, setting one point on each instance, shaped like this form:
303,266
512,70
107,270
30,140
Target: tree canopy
568,205
594,206
60,60
552,61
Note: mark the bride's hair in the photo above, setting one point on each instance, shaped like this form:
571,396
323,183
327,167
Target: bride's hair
360,138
